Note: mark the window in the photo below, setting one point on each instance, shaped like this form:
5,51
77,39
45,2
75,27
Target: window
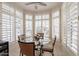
38,24
45,26
19,23
29,28
56,24
42,25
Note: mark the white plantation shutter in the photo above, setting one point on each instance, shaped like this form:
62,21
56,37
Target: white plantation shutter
0,20
71,25
74,18
8,16
7,20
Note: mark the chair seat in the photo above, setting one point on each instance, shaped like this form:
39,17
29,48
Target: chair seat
48,48
49,45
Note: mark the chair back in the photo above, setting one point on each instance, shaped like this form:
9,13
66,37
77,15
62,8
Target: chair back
18,38
41,35
27,48
21,37
54,42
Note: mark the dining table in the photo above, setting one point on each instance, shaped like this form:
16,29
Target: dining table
39,41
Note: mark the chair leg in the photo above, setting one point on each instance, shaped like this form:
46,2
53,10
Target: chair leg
42,51
52,54
22,54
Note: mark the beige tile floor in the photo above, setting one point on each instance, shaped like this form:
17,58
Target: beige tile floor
58,51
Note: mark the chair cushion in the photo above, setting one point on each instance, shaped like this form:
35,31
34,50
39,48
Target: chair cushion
48,45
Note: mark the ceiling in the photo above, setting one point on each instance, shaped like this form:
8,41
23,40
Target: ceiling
40,8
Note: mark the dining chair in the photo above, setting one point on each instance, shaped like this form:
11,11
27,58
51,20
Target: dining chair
21,37
27,48
48,48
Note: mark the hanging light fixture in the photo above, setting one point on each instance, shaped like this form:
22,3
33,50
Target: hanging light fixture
37,4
